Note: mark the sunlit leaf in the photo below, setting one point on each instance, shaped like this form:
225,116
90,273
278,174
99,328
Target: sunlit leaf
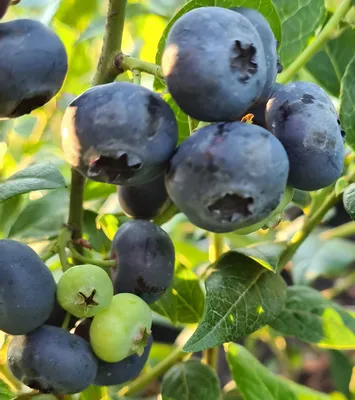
299,20
38,176
241,297
347,103
257,382
312,318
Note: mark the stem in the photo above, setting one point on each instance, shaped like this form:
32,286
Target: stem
106,72
193,124
166,215
136,76
66,321
317,43
9,379
64,239
49,254
106,69
215,250
210,356
308,226
76,210
92,261
341,231
142,381
329,199
281,357
127,63
216,246
341,286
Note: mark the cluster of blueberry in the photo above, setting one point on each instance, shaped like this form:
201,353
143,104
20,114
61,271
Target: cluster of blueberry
229,175
110,316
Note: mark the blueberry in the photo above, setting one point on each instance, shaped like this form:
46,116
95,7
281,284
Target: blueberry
27,289
270,45
85,290
33,66
119,133
122,371
313,140
144,201
306,92
121,330
228,176
145,258
214,64
119,372
259,110
4,4
52,360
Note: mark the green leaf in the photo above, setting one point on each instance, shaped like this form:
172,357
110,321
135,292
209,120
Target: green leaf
317,257
265,7
267,254
329,64
191,380
349,200
233,395
167,306
242,296
39,176
301,198
5,391
315,319
190,255
257,382
76,13
42,218
299,20
94,29
96,237
341,368
24,126
347,103
190,300
96,190
184,301
91,393
181,118
9,211
109,224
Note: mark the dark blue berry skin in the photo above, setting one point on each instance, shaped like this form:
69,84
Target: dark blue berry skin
313,140
119,133
144,201
52,360
270,48
4,4
117,373
214,64
306,92
27,289
33,66
259,110
145,258
228,176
